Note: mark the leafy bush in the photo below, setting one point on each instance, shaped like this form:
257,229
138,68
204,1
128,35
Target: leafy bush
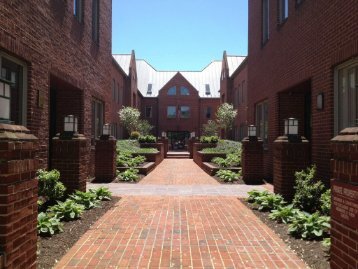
132,146
225,146
308,191
50,188
209,139
231,160
269,202
227,175
221,162
147,139
326,242
87,199
48,224
211,128
102,193
254,194
309,226
67,210
325,201
129,118
135,135
284,214
126,159
130,175
144,127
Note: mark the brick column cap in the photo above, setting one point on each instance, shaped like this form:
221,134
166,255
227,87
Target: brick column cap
15,132
284,139
106,137
348,135
252,139
74,137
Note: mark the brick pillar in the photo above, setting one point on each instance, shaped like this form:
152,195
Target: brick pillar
191,146
288,158
105,159
18,197
70,155
252,162
165,142
344,211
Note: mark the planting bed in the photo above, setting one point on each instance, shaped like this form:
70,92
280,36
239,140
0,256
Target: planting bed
312,252
51,249
144,169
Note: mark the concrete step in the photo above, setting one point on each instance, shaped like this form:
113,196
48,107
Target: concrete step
178,155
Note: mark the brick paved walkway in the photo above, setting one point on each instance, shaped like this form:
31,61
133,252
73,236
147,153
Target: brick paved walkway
179,231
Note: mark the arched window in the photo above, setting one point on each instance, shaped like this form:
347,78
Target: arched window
184,91
172,90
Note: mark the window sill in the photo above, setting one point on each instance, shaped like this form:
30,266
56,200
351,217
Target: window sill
264,42
281,24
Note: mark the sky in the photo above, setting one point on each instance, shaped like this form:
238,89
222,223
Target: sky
177,35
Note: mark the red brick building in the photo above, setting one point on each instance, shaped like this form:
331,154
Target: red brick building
303,63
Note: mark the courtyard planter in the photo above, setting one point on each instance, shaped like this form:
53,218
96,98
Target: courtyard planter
157,157
201,157
159,146
198,147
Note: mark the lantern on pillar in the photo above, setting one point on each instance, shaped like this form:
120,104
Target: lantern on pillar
291,126
70,124
164,134
106,129
251,131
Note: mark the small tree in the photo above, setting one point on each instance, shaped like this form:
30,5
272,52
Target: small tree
226,115
144,127
129,117
211,128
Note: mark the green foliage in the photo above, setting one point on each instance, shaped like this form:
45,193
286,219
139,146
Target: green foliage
209,139
308,191
221,162
326,242
132,146
50,187
226,115
227,175
284,214
225,146
48,224
102,193
269,202
231,160
130,175
309,226
87,199
126,159
254,194
147,139
67,210
129,118
211,128
325,201
134,135
144,127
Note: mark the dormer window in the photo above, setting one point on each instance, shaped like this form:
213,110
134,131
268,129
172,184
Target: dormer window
149,89
207,89
172,90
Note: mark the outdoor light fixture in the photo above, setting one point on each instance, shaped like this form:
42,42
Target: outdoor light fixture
164,134
106,131
251,130
4,101
291,127
320,102
71,124
192,134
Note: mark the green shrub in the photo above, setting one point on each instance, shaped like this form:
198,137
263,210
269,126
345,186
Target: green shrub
126,159
130,175
284,214
48,224
67,210
325,201
135,135
50,188
132,146
221,162
147,139
269,202
231,160
209,139
308,191
225,146
254,194
87,199
227,175
309,226
102,193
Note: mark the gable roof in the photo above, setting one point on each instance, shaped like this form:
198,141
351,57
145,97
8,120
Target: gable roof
124,61
234,62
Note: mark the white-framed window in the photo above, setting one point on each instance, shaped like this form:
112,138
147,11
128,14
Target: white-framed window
184,112
78,10
149,89
172,90
207,89
265,20
171,112
346,95
14,72
184,91
282,10
97,118
262,121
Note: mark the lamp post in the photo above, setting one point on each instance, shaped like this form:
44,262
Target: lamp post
291,129
106,131
70,125
251,131
164,134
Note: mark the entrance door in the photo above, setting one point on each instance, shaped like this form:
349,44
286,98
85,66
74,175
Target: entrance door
178,140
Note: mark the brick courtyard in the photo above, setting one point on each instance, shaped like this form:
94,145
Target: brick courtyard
179,231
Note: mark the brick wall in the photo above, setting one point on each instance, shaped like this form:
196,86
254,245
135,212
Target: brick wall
317,36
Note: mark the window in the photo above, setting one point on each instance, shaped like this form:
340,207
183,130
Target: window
13,90
283,10
114,90
171,112
208,112
185,112
262,121
265,21
149,89
243,98
97,119
95,20
118,94
172,90
184,91
148,111
78,10
239,95
207,89
114,128
346,96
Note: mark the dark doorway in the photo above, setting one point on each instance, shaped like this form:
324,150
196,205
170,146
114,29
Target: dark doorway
178,140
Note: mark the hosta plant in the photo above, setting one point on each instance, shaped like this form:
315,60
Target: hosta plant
326,242
309,226
227,175
284,214
147,139
87,199
130,175
221,162
126,159
48,224
326,202
67,210
102,193
254,194
50,187
269,202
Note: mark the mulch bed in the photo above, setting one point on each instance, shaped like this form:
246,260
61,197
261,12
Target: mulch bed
240,181
51,249
312,252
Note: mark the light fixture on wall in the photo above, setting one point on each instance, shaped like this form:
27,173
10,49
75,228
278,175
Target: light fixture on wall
251,131
71,124
320,101
106,131
164,134
4,101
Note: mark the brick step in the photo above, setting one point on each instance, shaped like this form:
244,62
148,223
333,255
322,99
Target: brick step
178,157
